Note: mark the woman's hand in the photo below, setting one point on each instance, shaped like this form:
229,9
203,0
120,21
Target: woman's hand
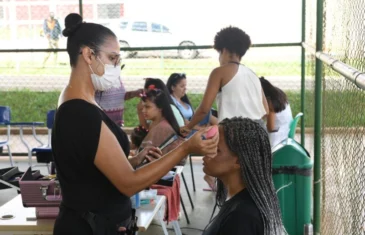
185,130
154,154
150,153
132,153
133,94
122,229
203,147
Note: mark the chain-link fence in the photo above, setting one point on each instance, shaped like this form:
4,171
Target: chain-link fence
343,117
310,39
30,82
32,90
343,157
343,141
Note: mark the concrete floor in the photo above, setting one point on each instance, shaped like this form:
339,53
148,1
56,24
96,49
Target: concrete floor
199,216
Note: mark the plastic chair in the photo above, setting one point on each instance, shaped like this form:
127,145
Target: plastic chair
293,125
215,114
44,152
192,170
5,117
189,196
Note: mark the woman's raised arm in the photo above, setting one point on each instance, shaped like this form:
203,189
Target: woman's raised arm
111,161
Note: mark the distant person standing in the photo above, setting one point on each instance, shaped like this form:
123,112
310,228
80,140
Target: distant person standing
52,30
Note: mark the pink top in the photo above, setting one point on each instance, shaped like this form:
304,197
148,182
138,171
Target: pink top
112,102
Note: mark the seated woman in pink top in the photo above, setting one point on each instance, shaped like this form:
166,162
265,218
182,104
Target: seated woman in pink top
157,109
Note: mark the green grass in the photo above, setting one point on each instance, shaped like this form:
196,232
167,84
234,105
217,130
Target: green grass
29,105
341,109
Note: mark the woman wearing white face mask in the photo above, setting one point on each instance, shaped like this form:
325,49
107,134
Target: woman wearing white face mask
110,93
96,177
111,75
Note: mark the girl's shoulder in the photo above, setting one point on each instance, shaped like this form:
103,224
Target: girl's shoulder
164,124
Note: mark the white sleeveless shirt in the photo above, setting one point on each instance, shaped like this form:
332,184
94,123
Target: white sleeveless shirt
282,125
241,96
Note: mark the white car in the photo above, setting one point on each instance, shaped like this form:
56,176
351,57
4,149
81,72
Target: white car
139,33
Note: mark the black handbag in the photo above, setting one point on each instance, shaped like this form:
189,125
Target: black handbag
103,226
132,227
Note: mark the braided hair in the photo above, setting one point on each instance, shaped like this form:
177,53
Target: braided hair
250,142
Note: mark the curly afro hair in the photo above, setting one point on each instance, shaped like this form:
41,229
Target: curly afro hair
138,134
232,39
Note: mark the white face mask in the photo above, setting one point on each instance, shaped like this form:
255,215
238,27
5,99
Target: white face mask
109,79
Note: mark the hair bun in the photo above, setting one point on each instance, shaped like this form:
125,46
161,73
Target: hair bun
72,22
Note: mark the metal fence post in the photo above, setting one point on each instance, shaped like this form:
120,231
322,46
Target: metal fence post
318,121
80,7
302,92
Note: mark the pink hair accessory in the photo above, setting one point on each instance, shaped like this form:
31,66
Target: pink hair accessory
143,94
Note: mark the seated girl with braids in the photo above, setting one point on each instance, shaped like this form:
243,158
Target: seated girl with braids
245,191
157,109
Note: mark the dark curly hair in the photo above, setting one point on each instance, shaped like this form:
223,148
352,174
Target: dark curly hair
233,39
138,134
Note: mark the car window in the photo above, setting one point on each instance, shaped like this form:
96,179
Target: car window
165,29
107,10
156,28
123,25
139,26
